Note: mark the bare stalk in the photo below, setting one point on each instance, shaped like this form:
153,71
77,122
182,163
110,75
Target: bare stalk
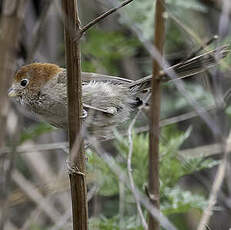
153,179
11,19
74,90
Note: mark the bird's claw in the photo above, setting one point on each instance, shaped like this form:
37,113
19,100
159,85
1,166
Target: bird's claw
73,169
84,114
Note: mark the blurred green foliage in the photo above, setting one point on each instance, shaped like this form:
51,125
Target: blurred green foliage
173,198
102,50
114,223
142,13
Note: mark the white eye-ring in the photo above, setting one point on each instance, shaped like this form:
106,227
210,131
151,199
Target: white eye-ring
24,82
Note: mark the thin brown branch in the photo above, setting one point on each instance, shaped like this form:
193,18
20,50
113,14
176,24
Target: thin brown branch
103,16
74,91
153,178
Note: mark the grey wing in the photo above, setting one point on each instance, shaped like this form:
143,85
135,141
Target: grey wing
59,84
88,77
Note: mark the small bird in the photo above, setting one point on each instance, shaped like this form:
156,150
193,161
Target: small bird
108,101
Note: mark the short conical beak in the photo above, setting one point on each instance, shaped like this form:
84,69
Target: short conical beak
12,92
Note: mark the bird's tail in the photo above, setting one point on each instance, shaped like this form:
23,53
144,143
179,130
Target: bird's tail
186,68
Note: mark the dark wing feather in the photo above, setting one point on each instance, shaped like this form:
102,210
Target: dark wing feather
187,68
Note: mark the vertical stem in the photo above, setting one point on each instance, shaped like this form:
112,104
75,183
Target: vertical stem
74,90
153,223
11,20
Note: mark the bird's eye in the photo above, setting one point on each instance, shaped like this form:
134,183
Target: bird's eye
24,82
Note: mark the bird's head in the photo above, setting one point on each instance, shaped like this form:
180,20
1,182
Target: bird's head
29,79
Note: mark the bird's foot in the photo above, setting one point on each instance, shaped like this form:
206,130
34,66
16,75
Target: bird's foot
72,168
84,114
